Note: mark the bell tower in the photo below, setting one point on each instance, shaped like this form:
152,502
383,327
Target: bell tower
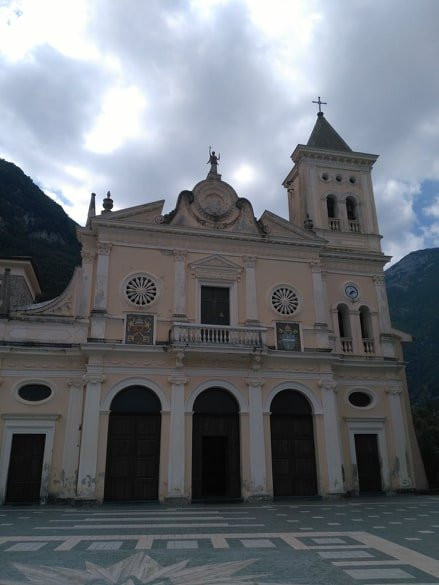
330,190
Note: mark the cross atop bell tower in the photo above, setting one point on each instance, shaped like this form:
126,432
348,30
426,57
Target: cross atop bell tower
320,104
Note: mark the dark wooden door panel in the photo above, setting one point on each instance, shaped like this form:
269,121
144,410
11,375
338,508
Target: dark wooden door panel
293,455
368,463
133,457
25,468
215,305
216,470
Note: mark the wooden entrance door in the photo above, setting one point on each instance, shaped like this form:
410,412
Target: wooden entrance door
368,463
25,468
133,457
293,455
292,445
215,456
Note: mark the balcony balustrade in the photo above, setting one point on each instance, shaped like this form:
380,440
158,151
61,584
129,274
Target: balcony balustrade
334,224
346,344
368,346
354,226
188,334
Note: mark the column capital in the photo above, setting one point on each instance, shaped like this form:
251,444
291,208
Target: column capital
328,384
180,255
316,266
75,384
104,248
249,261
93,378
178,379
87,256
379,279
393,390
255,382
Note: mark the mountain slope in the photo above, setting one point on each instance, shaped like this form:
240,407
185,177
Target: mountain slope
413,288
32,224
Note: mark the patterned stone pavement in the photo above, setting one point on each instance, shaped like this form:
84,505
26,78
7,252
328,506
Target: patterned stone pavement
376,541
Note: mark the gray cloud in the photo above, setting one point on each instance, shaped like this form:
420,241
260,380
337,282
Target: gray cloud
214,81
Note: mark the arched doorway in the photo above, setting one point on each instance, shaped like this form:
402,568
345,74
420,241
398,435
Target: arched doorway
133,446
292,445
216,446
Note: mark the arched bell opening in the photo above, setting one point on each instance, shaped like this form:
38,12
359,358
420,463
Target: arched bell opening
292,445
216,468
133,446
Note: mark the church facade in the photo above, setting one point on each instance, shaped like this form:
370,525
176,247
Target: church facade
206,354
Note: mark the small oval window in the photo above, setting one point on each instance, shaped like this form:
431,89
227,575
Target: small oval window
339,178
325,176
352,180
34,392
360,399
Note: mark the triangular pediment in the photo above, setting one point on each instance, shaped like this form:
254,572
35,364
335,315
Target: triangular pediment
146,213
280,227
216,265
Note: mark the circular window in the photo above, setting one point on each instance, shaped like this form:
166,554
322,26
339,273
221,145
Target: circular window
141,290
360,399
34,392
352,180
339,178
284,300
325,176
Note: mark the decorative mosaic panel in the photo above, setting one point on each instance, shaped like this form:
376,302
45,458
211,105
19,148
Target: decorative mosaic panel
288,336
139,329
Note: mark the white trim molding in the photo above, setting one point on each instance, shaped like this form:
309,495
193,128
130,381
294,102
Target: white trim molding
243,403
315,402
17,424
126,383
372,426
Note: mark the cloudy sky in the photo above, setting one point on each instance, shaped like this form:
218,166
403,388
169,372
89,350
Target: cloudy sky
127,95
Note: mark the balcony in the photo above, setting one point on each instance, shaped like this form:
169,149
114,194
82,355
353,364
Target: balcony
334,224
217,336
346,345
354,226
368,346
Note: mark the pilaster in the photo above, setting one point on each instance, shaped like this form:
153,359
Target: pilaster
180,284
258,472
101,291
394,393
332,436
251,305
89,437
177,435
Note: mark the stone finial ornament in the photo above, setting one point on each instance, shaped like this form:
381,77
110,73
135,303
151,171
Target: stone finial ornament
107,203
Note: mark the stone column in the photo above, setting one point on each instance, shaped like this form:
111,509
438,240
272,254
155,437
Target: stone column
180,285
177,435
251,305
89,438
332,436
320,301
258,472
399,436
383,307
84,293
101,291
72,438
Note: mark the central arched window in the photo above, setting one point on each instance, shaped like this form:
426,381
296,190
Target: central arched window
344,328
366,330
332,211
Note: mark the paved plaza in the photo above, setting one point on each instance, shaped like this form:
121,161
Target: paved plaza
373,541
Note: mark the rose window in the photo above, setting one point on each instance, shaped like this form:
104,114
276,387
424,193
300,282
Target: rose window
141,290
284,300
